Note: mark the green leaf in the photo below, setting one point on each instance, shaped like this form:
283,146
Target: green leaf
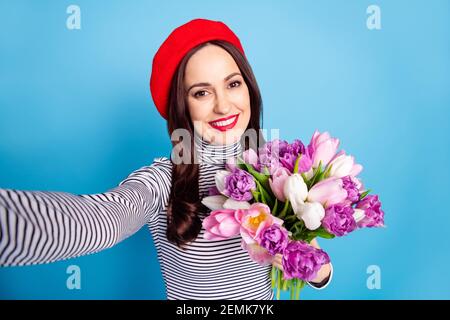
364,194
285,209
242,166
256,195
327,172
291,218
261,178
240,163
321,232
317,172
265,196
298,230
319,177
304,177
275,207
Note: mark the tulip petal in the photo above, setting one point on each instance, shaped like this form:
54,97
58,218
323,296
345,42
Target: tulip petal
220,180
246,237
214,202
235,204
209,222
210,236
357,168
229,228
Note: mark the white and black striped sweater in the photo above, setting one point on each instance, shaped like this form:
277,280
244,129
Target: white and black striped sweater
43,226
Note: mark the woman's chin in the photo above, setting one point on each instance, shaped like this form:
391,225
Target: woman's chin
227,137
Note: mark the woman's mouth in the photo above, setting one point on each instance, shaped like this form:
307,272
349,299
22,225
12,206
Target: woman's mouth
224,124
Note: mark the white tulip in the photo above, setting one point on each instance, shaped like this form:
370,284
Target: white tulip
219,202
341,166
358,215
312,214
220,180
214,202
235,204
296,191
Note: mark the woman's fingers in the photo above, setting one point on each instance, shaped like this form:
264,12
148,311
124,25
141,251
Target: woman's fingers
277,261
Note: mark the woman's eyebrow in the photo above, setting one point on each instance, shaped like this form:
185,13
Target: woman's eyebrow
205,84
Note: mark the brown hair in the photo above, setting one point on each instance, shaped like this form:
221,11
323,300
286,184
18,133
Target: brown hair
183,223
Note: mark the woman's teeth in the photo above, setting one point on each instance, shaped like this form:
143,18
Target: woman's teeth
224,123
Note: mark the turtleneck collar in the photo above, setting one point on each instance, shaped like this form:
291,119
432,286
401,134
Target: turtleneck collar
215,154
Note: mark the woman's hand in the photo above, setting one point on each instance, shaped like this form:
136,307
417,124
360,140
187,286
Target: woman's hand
277,261
323,273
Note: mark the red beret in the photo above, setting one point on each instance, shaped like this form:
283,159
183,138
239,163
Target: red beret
175,47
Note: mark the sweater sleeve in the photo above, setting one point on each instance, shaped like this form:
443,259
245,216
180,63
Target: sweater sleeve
324,283
45,226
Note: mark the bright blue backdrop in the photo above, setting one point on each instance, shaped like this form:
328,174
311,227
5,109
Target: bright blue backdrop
76,115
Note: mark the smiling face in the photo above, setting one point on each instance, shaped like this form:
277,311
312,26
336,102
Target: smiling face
217,96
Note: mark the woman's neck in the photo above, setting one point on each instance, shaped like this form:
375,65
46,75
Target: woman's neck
215,153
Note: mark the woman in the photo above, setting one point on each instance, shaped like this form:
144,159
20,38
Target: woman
203,85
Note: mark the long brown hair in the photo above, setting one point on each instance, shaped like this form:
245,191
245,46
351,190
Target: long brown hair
183,223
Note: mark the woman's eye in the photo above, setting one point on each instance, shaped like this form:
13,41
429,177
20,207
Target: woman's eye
235,82
199,93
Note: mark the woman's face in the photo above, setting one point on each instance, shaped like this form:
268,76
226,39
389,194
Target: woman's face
217,95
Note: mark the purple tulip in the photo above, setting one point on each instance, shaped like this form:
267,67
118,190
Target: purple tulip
238,185
295,149
339,219
274,239
271,153
278,153
374,216
351,185
303,261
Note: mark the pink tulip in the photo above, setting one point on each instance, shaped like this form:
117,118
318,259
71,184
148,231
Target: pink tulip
258,253
254,220
322,148
277,182
328,192
222,224
230,164
250,157
356,169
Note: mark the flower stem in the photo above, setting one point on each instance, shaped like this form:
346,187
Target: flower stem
274,276
285,284
278,283
293,287
299,286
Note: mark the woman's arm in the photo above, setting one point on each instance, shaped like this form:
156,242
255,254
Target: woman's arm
44,226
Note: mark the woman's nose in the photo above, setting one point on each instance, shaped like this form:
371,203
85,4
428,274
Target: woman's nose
222,104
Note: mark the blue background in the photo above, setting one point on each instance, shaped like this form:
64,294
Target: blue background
76,115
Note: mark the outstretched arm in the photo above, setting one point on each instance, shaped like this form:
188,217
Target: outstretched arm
43,226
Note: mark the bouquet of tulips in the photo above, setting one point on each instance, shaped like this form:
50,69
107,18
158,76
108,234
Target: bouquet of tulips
279,200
